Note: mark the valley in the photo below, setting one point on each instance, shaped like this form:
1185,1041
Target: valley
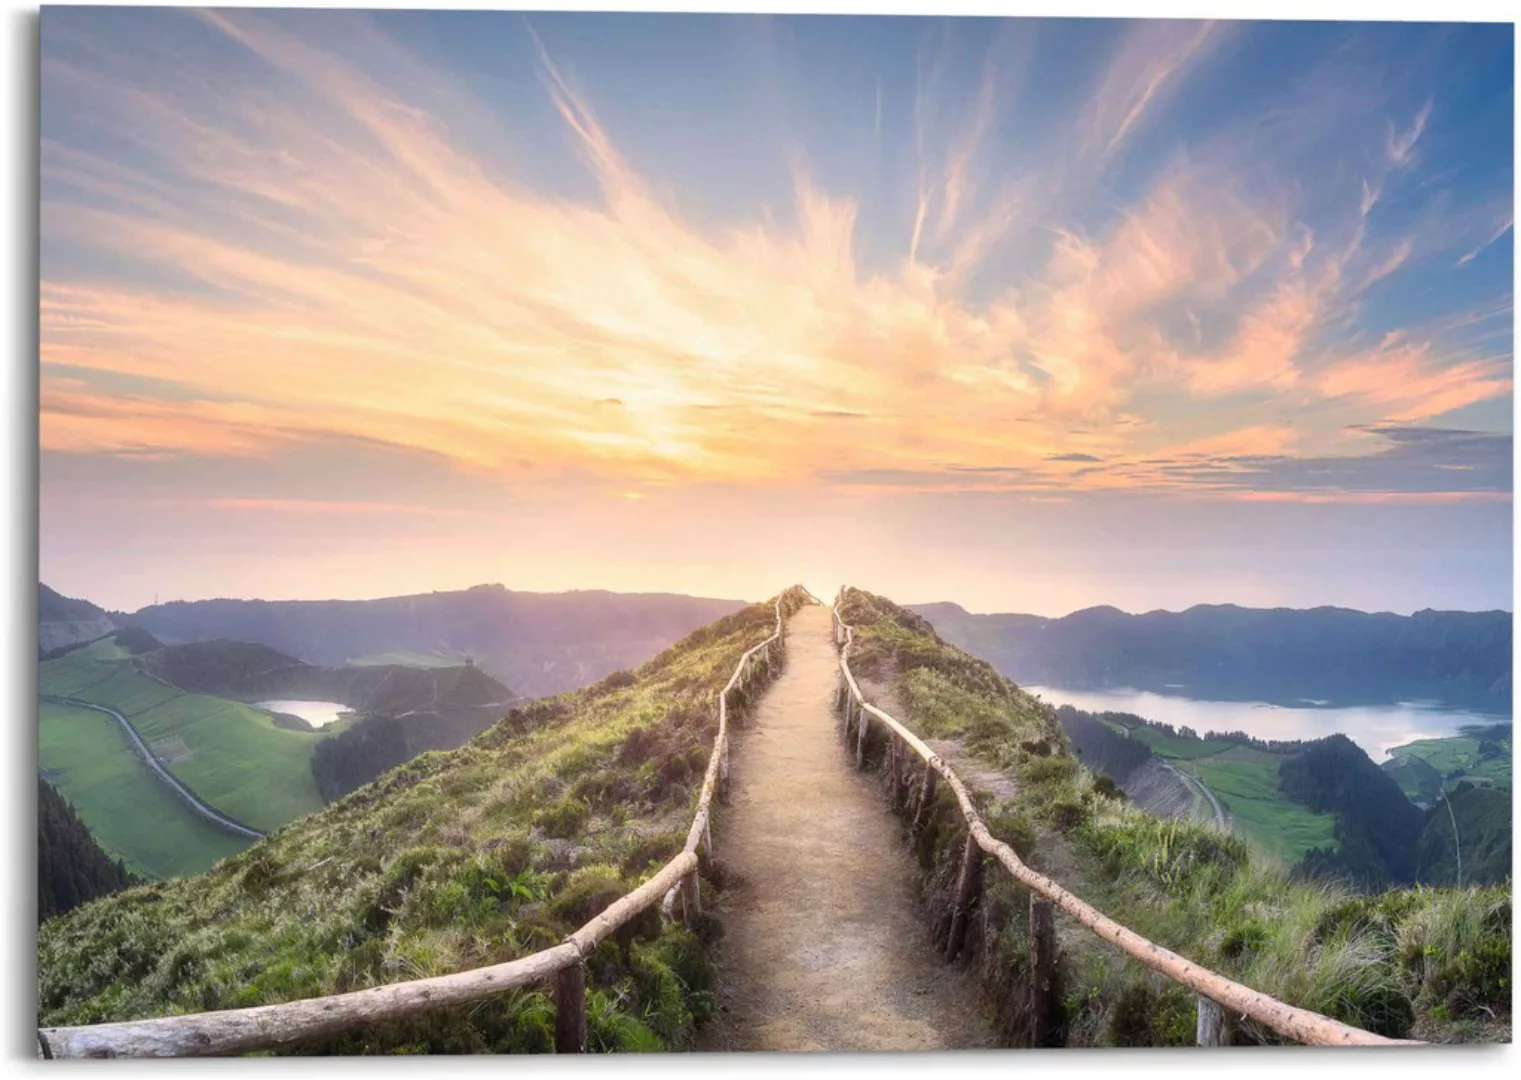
497,849
132,815
263,737
537,643
231,755
1125,700
1226,653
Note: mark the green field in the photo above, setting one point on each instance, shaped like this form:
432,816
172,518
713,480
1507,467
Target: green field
1460,753
231,755
1176,747
1420,782
1246,783
131,813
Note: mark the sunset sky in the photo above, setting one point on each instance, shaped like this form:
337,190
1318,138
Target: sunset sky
1025,314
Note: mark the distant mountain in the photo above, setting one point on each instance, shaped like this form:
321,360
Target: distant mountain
538,643
1280,655
62,620
250,672
71,867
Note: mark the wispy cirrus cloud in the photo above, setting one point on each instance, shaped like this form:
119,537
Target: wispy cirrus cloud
328,255
1503,228
1401,144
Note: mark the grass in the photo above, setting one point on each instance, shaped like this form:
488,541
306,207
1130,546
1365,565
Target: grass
1246,783
130,812
1427,963
233,756
1459,754
1177,747
455,860
1416,778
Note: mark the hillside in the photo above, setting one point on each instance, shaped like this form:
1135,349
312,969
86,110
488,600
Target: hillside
63,621
1480,756
455,860
537,643
131,814
232,756
1228,653
1377,826
1428,963
1482,819
191,703
1229,778
398,711
71,868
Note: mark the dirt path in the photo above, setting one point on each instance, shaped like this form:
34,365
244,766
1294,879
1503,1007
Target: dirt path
824,946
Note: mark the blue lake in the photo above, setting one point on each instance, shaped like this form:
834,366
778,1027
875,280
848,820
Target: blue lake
1376,728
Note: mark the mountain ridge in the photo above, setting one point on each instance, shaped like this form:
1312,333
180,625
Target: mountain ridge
1230,652
540,644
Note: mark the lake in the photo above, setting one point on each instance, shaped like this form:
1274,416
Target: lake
316,713
1376,728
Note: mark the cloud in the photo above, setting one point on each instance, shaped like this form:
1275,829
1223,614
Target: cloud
1147,67
1408,382
1401,144
328,259
1504,228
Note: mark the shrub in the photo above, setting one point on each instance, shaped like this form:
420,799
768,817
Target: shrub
564,818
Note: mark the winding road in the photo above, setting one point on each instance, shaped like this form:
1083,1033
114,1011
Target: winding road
1194,783
210,813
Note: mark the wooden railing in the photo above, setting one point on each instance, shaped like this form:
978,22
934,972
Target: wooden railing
1216,992
264,1027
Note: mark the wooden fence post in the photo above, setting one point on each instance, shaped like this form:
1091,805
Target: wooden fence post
1211,1029
691,898
570,1009
860,738
1044,1022
967,884
898,760
926,797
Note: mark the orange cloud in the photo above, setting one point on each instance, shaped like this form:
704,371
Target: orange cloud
367,277
1408,384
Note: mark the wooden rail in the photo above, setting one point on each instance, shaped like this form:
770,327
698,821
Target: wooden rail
263,1027
1216,992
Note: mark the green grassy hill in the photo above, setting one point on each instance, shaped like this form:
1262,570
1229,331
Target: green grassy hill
1482,817
233,756
1415,776
1243,775
455,860
131,813
1246,781
1426,963
1480,755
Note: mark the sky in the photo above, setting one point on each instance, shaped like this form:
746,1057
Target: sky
1028,314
